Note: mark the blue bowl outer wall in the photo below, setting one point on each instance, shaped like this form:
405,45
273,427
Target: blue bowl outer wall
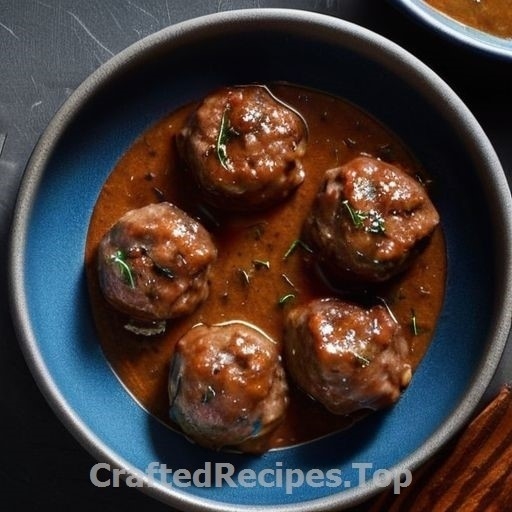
56,326
456,31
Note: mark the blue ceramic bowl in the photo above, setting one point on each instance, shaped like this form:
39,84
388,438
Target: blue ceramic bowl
457,31
182,63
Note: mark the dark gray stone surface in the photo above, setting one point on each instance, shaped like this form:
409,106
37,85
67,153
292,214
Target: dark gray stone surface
47,47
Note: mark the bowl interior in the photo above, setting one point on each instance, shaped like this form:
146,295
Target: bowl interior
180,65
457,31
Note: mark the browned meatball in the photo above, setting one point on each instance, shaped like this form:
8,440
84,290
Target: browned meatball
227,386
368,220
154,263
346,357
244,148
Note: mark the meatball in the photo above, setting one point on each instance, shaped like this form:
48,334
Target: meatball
154,263
244,148
346,357
227,386
369,220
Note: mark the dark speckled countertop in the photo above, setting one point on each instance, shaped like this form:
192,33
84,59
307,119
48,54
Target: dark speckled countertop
47,48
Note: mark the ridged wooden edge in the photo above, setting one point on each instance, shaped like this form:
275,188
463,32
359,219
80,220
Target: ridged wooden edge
472,473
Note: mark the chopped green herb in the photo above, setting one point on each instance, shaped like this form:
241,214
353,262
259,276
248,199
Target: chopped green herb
356,216
244,276
222,139
363,361
209,394
257,230
159,193
288,281
285,299
261,264
294,245
376,222
391,314
126,272
414,323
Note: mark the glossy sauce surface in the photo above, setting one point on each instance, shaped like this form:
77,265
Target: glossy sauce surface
491,16
255,268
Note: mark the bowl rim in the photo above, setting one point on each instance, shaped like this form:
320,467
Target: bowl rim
455,30
300,22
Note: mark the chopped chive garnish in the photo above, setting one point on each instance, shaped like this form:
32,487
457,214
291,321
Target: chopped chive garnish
222,139
294,245
258,229
391,314
285,299
356,216
208,395
261,264
244,276
377,223
414,324
363,361
159,193
126,272
288,281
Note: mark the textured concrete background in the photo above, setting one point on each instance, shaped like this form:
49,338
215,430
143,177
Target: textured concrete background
47,48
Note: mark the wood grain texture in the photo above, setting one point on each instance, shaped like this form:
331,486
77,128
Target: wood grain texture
472,473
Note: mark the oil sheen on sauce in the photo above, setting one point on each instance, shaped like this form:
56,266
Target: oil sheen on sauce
242,288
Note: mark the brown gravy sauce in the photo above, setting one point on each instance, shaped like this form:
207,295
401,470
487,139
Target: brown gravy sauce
241,288
491,16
